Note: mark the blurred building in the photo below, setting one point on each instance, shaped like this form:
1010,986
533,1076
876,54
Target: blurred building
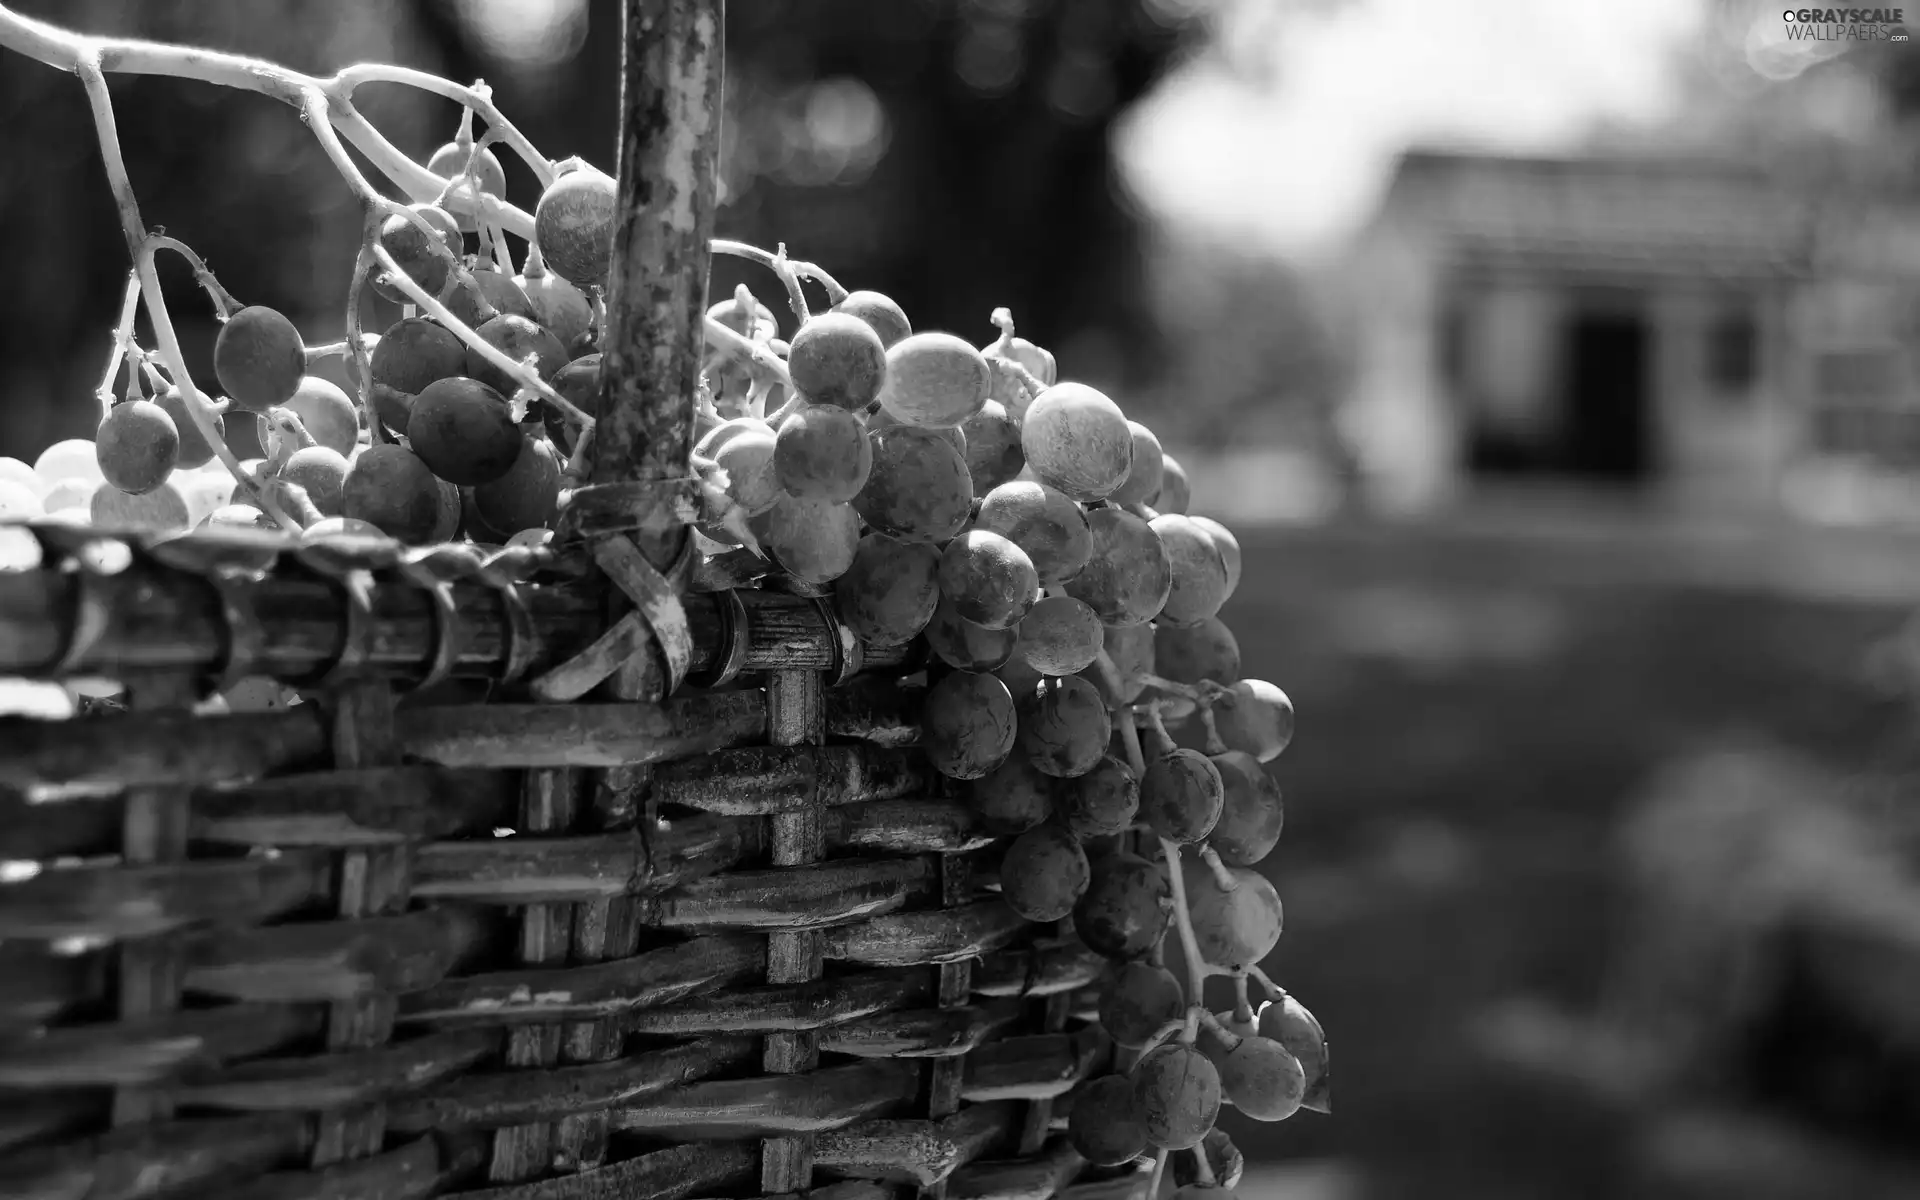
1694,332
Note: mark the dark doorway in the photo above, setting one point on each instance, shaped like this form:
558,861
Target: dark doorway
1607,431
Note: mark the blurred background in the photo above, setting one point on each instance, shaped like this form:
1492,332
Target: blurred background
1555,364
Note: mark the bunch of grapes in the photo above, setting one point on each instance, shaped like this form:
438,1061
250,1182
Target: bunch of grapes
1033,536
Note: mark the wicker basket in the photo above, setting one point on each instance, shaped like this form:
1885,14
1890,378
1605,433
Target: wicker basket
734,942
477,918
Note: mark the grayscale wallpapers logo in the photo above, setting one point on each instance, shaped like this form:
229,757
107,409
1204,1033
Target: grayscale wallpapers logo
1845,24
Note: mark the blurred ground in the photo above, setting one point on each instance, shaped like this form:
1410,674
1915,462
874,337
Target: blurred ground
1479,700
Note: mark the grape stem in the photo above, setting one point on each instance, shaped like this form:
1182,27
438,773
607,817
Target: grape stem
478,98
140,246
66,51
326,350
1274,991
805,270
757,356
1159,1173
1183,922
122,342
1221,875
1242,1009
223,302
359,361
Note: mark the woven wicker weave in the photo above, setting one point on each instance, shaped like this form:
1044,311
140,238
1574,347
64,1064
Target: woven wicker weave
751,954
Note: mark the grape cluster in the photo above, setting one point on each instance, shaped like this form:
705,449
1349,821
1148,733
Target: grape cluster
461,448
1036,538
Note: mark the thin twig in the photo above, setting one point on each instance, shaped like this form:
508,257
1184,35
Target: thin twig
360,363
223,302
479,98
122,341
756,354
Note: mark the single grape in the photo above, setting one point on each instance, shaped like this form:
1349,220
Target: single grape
1013,797
1129,575
751,320
1103,801
463,431
1138,1000
960,643
527,495
516,337
1198,574
334,527
72,458
889,593
993,448
329,414
137,446
812,540
490,295
573,226
195,451
1044,873
161,509
1143,478
934,379
1261,1079
1125,661
918,488
1205,649
1288,1022
822,453
967,724
1077,440
451,162
989,580
1232,929
322,472
1178,1091
414,253
1105,1125
415,352
745,448
886,317
558,307
1059,636
1227,545
1045,523
1255,716
836,358
1225,1159
950,434
259,358
1064,727
18,502
14,470
1175,492
1181,795
579,384
243,516
1126,908
1251,813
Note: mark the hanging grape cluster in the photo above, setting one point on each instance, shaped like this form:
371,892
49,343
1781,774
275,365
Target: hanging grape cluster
1037,539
